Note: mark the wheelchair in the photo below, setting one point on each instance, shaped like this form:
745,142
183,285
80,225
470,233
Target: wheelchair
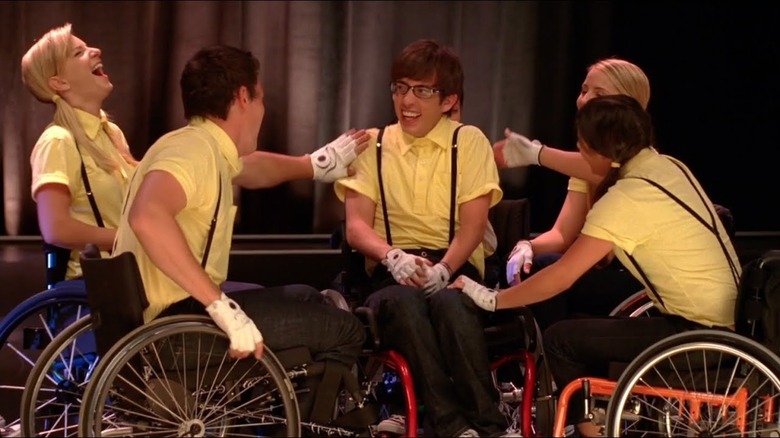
518,367
697,383
62,361
32,325
174,376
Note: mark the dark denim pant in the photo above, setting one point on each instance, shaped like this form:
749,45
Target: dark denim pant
293,316
594,294
442,339
586,347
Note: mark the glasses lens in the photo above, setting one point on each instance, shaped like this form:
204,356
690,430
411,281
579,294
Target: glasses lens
422,92
399,88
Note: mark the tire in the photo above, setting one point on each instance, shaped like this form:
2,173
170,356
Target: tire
638,304
153,379
705,363
24,334
52,396
545,404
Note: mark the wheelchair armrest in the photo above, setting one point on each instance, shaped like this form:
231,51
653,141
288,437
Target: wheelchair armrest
366,315
529,327
521,323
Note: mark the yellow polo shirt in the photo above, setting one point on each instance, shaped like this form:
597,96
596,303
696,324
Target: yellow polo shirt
56,160
578,185
416,174
681,258
198,156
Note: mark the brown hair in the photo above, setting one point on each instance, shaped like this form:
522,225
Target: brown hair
616,127
425,59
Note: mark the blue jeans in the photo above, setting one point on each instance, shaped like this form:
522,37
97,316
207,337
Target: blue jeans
442,339
292,316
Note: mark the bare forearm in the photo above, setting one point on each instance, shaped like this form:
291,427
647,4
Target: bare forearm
263,169
74,234
549,242
164,243
541,286
365,240
568,163
463,244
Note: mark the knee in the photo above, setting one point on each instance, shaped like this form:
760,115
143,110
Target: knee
402,306
451,304
558,338
302,292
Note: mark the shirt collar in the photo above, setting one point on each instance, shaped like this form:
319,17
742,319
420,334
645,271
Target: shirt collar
91,123
641,156
225,144
439,136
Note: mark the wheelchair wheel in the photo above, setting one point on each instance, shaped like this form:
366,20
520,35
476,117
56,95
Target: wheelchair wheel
638,304
24,334
174,376
545,400
52,396
698,383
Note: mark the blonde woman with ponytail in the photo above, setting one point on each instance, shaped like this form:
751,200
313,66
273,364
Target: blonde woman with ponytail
61,70
603,288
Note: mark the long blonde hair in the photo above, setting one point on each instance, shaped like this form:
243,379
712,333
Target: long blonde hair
628,79
46,58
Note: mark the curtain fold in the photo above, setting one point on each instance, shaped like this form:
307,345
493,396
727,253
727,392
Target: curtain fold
325,67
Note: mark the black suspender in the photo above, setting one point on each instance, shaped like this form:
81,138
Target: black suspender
453,183
381,184
90,195
213,226
57,258
712,227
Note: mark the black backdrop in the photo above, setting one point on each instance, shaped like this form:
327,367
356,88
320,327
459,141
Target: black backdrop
712,66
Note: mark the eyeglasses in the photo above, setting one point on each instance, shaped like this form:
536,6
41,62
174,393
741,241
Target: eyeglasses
421,91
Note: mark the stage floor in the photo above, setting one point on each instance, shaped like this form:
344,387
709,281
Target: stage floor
267,260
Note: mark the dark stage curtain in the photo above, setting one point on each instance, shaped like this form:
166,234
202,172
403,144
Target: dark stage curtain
325,68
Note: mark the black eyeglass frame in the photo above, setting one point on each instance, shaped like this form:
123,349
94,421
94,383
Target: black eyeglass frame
421,91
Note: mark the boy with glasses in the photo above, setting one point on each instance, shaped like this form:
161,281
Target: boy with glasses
417,209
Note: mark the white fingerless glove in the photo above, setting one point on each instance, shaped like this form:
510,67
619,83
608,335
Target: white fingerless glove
438,278
481,295
241,330
519,151
521,257
331,161
400,264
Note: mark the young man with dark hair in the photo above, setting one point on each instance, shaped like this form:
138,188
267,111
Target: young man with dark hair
185,182
417,209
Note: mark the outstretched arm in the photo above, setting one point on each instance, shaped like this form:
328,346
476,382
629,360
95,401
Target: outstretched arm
516,150
263,169
545,284
568,163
